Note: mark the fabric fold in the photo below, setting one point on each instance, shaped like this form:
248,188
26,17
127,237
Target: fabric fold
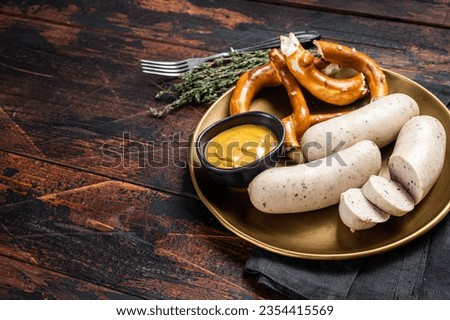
309,279
418,270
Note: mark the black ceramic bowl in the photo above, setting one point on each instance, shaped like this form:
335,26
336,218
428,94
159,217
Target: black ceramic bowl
240,177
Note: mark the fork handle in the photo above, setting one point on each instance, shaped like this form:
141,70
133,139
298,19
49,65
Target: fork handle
306,38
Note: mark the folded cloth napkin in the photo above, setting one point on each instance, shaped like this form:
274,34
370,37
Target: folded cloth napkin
418,270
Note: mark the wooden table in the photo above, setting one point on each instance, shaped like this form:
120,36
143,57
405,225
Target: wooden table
76,223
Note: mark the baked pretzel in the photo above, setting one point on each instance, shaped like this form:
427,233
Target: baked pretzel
296,123
275,73
250,83
352,58
257,79
331,90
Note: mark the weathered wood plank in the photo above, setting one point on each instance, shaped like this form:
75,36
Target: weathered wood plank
22,281
191,23
249,19
418,12
228,24
76,96
23,178
122,236
112,234
238,23
62,112
73,102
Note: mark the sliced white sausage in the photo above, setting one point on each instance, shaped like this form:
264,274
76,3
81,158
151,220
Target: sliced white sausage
418,156
379,121
388,195
317,184
358,213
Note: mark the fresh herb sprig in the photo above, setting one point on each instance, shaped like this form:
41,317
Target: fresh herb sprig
209,81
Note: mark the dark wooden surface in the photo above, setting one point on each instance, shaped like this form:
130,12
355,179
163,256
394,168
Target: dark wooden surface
74,223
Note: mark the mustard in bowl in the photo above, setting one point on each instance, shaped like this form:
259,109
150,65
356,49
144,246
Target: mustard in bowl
235,149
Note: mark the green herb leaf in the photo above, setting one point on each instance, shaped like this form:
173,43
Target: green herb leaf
209,81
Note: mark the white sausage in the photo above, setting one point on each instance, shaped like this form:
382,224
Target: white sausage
418,156
379,121
358,213
388,195
314,185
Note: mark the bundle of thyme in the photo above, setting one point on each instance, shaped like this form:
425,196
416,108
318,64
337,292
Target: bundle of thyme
209,81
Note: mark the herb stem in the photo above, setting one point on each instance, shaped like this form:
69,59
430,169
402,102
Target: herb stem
209,81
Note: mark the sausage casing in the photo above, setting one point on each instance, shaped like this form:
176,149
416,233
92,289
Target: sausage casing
317,184
379,121
418,156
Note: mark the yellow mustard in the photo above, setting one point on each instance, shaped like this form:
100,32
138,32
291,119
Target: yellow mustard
240,146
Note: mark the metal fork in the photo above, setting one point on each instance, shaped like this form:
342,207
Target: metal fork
177,68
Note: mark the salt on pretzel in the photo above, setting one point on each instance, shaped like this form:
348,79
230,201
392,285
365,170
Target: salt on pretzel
350,57
276,73
331,90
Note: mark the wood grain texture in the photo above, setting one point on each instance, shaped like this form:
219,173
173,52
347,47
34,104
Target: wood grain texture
433,13
22,281
96,200
24,178
72,91
111,234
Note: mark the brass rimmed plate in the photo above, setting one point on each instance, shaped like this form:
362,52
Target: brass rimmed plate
320,234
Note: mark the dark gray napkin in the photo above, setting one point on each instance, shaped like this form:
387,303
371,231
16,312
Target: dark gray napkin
418,270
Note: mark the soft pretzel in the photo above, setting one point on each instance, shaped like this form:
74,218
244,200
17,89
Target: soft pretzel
296,123
331,90
257,79
250,83
276,73
352,58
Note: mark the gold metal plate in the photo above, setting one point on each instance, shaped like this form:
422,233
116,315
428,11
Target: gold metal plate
320,234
